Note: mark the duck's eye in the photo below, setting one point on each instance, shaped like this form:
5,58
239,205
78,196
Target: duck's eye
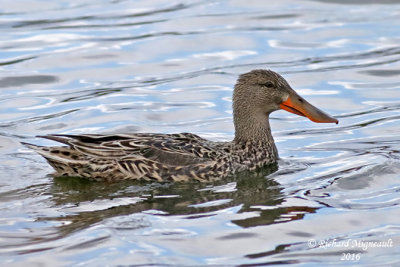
268,84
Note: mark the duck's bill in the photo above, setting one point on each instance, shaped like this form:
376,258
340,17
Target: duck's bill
298,105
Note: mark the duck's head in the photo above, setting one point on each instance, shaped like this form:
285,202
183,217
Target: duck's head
260,92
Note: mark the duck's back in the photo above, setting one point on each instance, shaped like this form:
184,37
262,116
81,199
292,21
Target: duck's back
158,157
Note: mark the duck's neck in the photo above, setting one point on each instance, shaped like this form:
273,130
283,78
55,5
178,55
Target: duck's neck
253,129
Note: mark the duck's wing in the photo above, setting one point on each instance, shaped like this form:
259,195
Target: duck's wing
170,149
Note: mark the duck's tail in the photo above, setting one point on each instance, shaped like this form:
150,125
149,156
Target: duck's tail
61,158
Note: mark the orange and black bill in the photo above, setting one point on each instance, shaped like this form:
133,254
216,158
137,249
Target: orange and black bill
298,105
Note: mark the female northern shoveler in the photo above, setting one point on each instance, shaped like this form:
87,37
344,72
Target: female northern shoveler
186,156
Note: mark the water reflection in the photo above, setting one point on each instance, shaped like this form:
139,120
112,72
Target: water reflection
359,2
250,191
26,80
81,205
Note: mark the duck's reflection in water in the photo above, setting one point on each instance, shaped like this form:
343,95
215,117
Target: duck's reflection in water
87,203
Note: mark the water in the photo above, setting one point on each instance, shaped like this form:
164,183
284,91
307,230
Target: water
162,66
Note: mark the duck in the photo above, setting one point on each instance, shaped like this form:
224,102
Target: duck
184,157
